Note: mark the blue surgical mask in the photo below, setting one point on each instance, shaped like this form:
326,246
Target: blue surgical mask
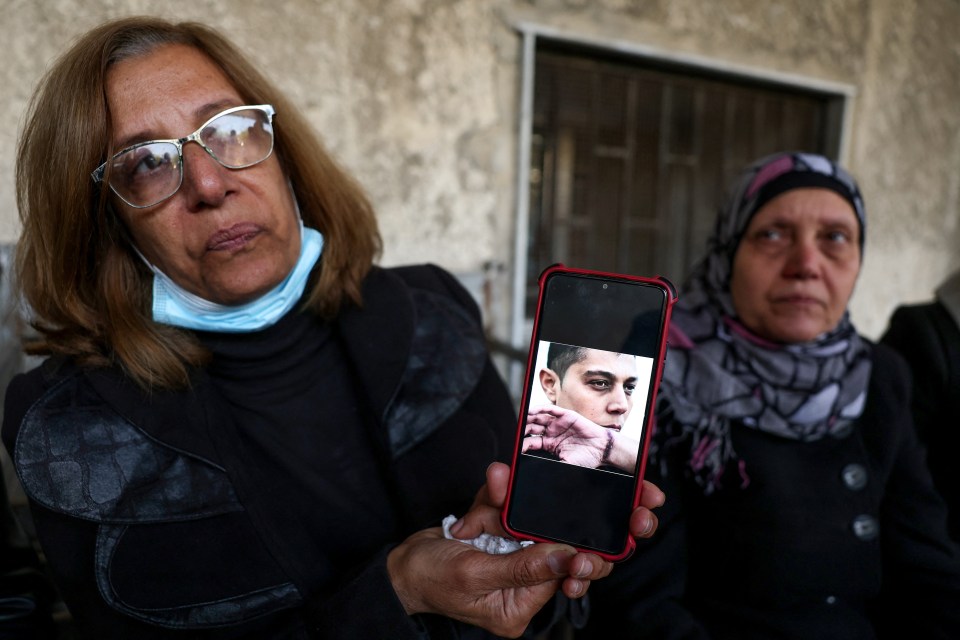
174,305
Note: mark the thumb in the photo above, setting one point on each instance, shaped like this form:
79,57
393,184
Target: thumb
536,564
498,479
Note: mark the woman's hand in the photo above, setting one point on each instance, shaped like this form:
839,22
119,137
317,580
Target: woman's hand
500,593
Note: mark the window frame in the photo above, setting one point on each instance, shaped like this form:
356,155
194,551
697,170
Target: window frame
534,36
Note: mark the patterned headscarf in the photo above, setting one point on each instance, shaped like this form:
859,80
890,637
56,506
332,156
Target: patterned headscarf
720,373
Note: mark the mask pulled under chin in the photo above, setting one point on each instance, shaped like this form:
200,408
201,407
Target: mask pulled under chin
176,306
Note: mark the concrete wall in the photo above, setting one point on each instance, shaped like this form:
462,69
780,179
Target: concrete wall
419,99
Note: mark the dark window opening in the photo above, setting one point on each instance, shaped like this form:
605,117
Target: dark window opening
630,157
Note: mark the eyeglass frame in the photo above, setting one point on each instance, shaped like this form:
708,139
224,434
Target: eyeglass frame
98,174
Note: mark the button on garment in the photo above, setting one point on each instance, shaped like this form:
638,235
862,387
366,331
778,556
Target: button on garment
854,476
866,527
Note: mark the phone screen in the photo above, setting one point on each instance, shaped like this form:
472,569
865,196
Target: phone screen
586,406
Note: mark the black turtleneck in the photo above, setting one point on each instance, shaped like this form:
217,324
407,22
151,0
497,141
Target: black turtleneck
306,439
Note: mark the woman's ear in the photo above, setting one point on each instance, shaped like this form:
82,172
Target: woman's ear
550,383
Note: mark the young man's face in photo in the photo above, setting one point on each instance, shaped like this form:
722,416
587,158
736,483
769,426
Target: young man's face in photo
599,387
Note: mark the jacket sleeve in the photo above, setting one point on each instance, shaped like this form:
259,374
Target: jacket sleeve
921,563
26,595
912,334
927,337
364,606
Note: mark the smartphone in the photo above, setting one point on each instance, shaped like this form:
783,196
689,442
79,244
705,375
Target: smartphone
594,365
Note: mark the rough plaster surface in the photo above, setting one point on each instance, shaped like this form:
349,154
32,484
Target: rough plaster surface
418,98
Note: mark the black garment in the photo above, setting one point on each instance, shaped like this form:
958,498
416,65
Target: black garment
928,338
26,595
160,520
295,404
842,538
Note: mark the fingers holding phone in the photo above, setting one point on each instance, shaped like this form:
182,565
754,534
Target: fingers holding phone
432,574
501,593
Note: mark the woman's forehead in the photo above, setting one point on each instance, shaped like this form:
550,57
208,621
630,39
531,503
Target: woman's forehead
165,93
809,205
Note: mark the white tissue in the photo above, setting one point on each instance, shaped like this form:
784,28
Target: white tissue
485,542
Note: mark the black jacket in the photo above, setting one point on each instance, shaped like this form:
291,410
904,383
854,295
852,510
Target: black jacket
928,338
842,538
153,529
26,595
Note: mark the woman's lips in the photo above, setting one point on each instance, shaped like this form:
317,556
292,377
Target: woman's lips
798,299
233,238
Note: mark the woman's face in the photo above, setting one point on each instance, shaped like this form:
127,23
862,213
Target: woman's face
796,265
228,235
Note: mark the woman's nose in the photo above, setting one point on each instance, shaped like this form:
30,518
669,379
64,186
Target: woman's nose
803,260
205,180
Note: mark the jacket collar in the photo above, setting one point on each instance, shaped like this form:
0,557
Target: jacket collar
161,413
378,337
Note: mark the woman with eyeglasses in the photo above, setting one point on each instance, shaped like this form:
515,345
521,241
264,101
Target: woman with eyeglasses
800,505
244,429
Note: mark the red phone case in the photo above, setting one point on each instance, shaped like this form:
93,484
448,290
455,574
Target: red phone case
671,291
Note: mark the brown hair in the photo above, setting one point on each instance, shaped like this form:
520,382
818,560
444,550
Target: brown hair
89,292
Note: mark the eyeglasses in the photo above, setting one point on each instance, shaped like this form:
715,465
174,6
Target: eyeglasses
150,172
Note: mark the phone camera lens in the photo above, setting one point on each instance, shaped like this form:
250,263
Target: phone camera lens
604,285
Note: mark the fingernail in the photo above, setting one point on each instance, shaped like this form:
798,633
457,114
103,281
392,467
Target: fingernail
647,526
456,526
585,569
576,588
559,561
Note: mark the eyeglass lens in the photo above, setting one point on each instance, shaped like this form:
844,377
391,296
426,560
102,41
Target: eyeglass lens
149,173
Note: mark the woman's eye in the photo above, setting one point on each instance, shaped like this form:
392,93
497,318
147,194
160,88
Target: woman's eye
143,162
769,234
151,162
838,237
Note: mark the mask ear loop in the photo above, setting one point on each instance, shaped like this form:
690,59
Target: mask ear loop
149,264
293,196
125,234
296,208
129,238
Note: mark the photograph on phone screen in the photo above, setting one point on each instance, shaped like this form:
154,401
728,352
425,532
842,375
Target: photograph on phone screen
586,407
